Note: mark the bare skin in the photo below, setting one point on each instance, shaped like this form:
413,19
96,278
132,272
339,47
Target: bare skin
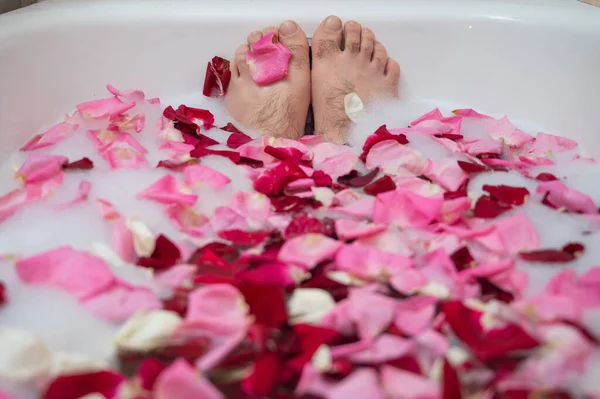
361,65
278,109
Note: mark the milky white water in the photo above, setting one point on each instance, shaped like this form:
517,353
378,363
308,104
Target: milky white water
65,326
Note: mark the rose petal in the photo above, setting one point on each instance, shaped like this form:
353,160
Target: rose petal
268,60
406,209
120,302
368,262
104,108
40,168
182,381
52,136
197,175
308,250
76,386
561,196
217,78
505,131
167,190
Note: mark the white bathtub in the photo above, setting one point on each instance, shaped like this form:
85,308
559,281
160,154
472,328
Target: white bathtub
535,60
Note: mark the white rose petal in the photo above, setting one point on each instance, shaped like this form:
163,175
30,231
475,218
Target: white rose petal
436,289
322,359
324,195
143,239
147,330
309,305
23,355
353,106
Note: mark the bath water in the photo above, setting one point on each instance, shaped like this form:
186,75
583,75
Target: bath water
64,326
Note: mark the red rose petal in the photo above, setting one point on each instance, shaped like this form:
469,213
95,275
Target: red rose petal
290,203
230,127
290,153
205,141
216,80
272,182
507,194
546,177
3,295
303,224
449,136
406,362
379,186
201,151
321,179
204,115
188,348
487,208
547,256
226,252
82,164
485,345
462,259
244,238
165,255
381,134
149,371
266,303
471,168
353,179
178,302
177,166
253,163
308,339
451,388
75,386
261,381
574,248
237,139
460,192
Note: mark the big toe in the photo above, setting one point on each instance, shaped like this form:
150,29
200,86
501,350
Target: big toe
294,38
327,39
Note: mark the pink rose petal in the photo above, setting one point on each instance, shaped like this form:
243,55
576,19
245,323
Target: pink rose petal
120,302
369,262
11,202
199,174
107,210
505,131
562,196
401,384
392,157
218,309
77,273
406,209
132,95
308,250
545,144
362,383
167,190
268,60
447,174
182,381
511,235
347,229
104,108
39,168
52,136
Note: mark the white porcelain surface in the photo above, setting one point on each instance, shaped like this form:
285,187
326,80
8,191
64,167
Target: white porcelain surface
535,60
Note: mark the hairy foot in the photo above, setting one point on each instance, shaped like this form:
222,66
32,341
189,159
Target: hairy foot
278,109
347,60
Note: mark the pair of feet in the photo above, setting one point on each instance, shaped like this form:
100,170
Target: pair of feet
345,59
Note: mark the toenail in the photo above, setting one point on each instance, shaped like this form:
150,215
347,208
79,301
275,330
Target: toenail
333,23
288,28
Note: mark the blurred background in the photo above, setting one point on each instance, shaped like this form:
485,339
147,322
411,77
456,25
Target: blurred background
9,5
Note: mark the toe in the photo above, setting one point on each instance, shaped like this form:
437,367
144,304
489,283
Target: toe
240,59
294,38
379,56
254,36
392,69
269,29
367,43
352,32
327,38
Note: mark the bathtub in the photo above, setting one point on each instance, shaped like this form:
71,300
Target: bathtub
534,60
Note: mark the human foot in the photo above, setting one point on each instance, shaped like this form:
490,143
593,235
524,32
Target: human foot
278,109
345,61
